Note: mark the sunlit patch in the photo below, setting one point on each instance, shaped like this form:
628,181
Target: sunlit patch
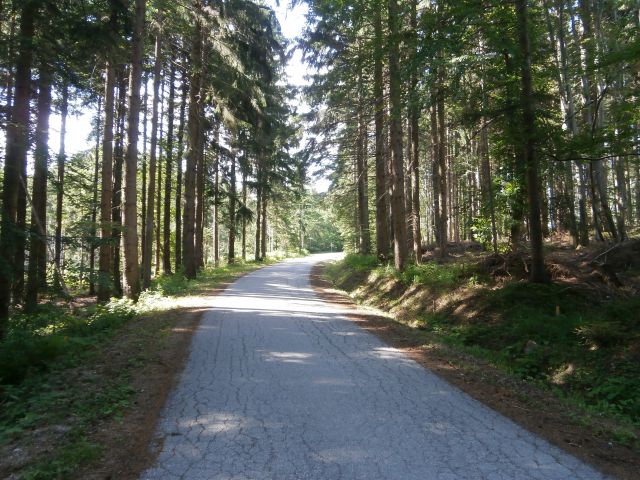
287,357
561,375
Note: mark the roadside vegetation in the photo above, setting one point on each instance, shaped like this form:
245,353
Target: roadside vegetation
576,338
69,368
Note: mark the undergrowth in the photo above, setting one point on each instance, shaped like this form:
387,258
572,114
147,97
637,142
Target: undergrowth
42,350
558,336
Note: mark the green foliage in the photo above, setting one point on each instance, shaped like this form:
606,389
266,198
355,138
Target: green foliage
360,263
558,336
432,274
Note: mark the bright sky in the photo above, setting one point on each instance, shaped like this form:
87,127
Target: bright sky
292,22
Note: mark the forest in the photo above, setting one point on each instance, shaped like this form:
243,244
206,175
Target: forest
490,143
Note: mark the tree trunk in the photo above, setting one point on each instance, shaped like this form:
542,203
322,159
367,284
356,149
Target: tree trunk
158,218
130,230
145,109
118,162
147,247
592,119
382,206
538,273
414,123
263,246
258,219
193,127
104,263
442,164
397,163
166,246
232,211
62,158
200,172
216,201
17,135
244,218
94,205
178,205
364,244
37,279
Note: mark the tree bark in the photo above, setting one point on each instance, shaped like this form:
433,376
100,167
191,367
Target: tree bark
231,258
17,136
130,230
178,205
538,273
216,200
200,173
104,259
263,241
414,123
94,205
37,279
193,128
166,246
147,247
397,164
382,205
244,218
364,237
118,163
62,158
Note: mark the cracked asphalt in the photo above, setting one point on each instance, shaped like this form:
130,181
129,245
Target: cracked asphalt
281,385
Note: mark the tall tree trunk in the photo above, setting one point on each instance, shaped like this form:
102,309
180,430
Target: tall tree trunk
216,201
94,205
37,279
193,127
104,263
232,211
151,189
158,220
258,219
538,273
200,173
244,218
593,120
382,206
442,164
17,136
118,162
166,246
178,205
364,244
397,163
62,158
414,124
130,230
263,241
435,169
145,109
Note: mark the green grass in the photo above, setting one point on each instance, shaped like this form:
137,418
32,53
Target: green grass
561,337
42,350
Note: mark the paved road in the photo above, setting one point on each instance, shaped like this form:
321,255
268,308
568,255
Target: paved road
280,385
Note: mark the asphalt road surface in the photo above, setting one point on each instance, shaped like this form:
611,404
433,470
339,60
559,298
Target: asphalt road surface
281,385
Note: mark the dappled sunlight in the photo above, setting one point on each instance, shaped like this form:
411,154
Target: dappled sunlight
286,357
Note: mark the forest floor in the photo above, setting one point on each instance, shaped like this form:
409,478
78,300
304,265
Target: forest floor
88,410
559,359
